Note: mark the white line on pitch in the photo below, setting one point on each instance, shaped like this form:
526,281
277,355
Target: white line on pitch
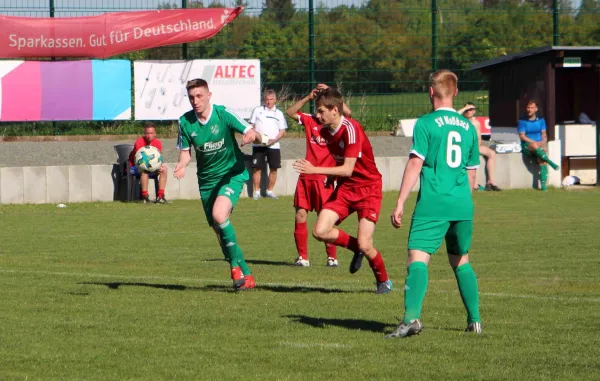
314,345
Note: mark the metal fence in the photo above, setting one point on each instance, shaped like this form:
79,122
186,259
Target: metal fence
379,52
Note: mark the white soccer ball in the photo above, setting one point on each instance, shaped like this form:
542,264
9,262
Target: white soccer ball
148,159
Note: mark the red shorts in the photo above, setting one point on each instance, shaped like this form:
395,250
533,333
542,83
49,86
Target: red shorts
365,201
311,195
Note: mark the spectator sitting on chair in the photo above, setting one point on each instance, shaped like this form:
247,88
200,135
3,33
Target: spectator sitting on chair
532,131
267,120
468,111
149,139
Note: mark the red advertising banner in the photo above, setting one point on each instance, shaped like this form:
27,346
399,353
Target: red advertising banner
484,122
108,34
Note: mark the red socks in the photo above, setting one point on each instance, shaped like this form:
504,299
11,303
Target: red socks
161,193
378,268
144,194
346,241
301,238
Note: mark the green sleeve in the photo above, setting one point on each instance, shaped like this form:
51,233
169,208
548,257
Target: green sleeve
183,142
236,122
420,143
473,161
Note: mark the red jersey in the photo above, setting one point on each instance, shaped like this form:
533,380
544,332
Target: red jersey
141,142
350,140
316,147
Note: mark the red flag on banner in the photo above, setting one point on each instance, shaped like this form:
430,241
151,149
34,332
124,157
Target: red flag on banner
109,34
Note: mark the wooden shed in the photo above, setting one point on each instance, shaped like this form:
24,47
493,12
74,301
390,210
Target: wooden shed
563,80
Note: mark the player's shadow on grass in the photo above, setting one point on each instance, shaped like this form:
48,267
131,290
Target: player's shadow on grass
358,324
256,262
117,285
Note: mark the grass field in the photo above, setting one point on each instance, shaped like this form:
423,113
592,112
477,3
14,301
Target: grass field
112,291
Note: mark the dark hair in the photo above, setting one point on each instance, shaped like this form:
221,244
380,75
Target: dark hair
330,98
194,83
149,125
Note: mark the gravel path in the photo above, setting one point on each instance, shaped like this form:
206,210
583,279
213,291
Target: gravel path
31,154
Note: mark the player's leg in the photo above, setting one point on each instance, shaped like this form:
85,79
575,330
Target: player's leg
458,242
424,239
274,159
319,194
366,229
144,180
540,151
301,237
258,163
543,175
228,194
490,166
162,184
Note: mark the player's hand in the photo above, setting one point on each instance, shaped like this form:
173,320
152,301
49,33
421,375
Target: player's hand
322,87
397,216
249,137
304,166
179,172
271,142
313,94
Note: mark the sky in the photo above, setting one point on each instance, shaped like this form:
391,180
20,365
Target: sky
39,8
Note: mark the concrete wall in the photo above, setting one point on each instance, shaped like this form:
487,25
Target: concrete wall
87,183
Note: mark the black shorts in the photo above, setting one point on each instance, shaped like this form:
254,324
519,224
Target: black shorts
260,154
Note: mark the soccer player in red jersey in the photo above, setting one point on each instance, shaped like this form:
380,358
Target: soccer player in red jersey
359,186
312,190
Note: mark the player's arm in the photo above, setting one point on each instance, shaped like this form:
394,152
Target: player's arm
185,154
344,170
416,158
250,135
294,109
473,164
543,131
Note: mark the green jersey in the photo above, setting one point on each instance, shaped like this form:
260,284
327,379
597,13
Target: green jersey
449,147
217,151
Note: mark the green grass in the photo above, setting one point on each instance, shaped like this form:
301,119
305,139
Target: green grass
113,291
375,112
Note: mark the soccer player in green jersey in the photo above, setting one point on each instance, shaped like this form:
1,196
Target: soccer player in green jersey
210,130
445,154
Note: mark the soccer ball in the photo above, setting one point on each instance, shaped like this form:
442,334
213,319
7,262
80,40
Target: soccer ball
148,159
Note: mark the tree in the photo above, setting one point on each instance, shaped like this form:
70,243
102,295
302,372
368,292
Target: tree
280,11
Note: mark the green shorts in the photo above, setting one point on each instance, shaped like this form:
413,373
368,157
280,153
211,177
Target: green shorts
427,236
230,187
525,149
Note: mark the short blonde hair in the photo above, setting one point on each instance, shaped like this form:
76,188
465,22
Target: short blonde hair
444,83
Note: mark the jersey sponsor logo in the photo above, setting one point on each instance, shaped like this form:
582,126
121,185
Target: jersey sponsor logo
338,158
212,146
318,140
214,129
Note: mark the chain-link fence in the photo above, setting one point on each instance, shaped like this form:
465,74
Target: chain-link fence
379,52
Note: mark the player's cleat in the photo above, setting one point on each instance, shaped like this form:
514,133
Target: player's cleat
492,187
474,327
146,200
270,194
332,262
384,287
256,196
302,262
356,262
249,283
237,277
405,330
161,200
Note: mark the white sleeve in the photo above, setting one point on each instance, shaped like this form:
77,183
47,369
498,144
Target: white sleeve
254,115
282,122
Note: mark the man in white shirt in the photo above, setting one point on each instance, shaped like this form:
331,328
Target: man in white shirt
267,120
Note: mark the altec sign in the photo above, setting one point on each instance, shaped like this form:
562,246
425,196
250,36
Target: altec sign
235,71
109,34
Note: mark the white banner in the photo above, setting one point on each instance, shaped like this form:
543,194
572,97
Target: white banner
160,92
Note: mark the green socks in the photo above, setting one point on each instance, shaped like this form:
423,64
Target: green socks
469,292
230,248
544,176
414,291
542,155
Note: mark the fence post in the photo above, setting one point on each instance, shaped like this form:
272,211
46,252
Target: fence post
555,22
311,49
184,46
54,123
434,35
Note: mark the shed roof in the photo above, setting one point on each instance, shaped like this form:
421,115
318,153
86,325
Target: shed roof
530,53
